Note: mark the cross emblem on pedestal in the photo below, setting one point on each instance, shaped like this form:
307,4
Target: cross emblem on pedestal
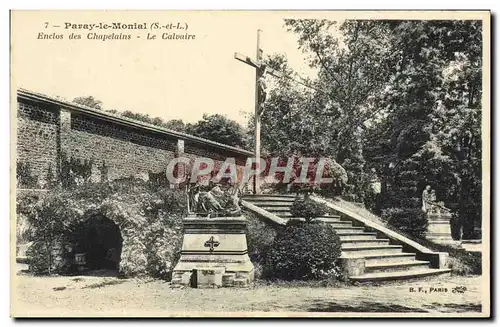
212,243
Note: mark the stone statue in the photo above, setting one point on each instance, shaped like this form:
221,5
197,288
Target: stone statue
426,198
430,204
215,202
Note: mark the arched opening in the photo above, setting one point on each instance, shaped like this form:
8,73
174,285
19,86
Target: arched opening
97,246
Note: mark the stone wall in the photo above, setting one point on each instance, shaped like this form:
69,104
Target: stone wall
116,149
125,151
37,137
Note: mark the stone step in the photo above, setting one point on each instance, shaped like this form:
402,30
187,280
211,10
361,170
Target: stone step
241,282
337,224
176,281
293,218
365,241
356,250
332,219
255,199
228,279
272,204
399,275
380,258
285,215
356,235
349,229
396,266
280,208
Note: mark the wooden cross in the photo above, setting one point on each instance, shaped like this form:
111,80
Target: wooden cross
212,244
260,93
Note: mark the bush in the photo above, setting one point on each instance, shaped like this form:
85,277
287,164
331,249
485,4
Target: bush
25,202
465,265
460,261
407,220
49,257
308,209
303,251
260,237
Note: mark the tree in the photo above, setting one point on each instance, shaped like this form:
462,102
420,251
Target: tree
176,125
328,119
400,97
88,101
430,131
220,129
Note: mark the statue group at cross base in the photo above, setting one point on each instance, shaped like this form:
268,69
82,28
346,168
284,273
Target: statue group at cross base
218,201
430,205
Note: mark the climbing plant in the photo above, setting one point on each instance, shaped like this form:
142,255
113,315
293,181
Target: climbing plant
150,223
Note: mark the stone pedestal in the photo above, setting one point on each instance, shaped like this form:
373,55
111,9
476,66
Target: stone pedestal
214,254
439,229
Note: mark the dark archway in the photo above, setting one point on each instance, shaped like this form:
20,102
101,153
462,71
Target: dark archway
100,240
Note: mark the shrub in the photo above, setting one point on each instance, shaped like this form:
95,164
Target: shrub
49,257
260,237
25,203
308,209
471,260
303,251
465,266
407,220
460,261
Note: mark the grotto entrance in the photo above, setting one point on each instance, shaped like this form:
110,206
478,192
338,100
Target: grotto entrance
97,246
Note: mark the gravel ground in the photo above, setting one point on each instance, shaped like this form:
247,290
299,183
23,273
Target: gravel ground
110,296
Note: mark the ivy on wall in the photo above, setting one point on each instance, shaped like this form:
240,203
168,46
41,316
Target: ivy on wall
25,177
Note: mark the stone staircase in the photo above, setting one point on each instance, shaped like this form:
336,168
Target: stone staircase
375,256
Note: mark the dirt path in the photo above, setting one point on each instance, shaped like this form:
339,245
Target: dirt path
109,296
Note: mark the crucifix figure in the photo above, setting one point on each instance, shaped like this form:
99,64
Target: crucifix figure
261,70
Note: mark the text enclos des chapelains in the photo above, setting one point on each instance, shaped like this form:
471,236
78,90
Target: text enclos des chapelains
109,31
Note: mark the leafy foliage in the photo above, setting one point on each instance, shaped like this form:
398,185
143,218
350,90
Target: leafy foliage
88,101
460,261
177,125
24,176
412,222
308,209
401,97
260,237
220,129
303,251
74,171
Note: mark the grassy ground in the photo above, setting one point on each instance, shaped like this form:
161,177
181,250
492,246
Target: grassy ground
110,296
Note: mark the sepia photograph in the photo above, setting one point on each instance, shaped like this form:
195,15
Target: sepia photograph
250,163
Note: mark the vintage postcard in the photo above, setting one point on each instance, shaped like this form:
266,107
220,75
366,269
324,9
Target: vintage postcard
250,163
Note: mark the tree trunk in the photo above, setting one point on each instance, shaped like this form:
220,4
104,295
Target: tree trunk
49,249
